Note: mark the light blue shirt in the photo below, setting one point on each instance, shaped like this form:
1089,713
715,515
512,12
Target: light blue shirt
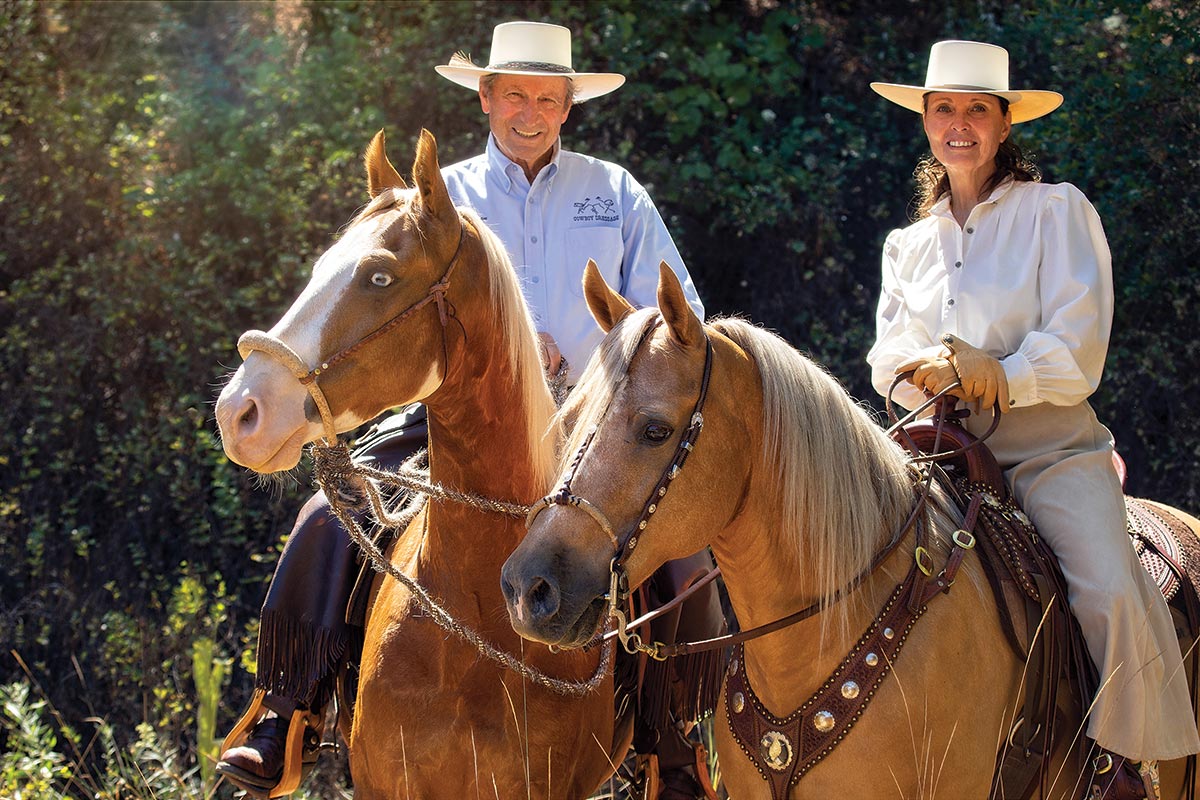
577,208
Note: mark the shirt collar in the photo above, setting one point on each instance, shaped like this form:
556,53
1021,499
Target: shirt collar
502,166
942,207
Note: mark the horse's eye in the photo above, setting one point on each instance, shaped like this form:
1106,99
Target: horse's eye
382,279
656,432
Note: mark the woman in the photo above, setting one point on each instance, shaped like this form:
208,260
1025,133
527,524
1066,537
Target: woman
1005,284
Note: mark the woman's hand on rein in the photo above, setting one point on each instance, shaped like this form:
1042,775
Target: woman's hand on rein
981,375
932,374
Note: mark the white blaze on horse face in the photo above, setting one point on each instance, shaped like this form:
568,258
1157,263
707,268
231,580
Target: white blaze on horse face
261,411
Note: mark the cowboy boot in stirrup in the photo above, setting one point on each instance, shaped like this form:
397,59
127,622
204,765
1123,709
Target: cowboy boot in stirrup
268,753
1116,778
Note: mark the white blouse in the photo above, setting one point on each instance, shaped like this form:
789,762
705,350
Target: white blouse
1028,278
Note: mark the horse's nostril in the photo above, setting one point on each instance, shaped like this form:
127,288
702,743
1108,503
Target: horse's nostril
543,599
249,416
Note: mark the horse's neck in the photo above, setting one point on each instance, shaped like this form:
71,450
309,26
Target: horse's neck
479,443
787,666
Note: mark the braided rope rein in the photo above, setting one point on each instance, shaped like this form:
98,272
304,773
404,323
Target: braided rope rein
339,477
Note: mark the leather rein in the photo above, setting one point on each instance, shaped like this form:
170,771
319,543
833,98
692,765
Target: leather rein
619,590
275,347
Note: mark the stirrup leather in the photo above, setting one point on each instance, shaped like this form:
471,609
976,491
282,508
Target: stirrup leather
293,753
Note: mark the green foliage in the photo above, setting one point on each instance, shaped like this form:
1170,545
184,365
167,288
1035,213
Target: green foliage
30,766
169,171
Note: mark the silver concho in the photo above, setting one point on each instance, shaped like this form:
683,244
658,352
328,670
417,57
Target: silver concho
776,750
824,721
733,667
738,702
889,634
872,659
850,690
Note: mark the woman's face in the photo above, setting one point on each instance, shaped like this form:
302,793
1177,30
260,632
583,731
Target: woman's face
965,131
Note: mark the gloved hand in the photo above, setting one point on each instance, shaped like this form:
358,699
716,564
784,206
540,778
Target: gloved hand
981,375
932,374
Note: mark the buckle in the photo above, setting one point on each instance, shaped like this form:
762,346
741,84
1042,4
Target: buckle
1102,763
964,539
924,561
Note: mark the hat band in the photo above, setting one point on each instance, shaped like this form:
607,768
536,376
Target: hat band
532,66
963,87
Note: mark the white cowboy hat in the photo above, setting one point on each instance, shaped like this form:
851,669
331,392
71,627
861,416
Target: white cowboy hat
971,67
531,48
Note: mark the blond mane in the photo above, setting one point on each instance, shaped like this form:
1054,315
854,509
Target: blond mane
842,483
843,486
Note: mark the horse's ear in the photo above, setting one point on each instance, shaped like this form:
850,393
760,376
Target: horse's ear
682,323
606,305
381,175
428,177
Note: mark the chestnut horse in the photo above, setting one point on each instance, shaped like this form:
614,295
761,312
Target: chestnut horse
798,492
419,302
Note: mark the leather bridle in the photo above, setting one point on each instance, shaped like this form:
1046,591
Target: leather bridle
624,546
275,347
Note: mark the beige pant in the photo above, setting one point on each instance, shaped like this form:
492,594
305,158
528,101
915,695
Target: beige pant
1058,462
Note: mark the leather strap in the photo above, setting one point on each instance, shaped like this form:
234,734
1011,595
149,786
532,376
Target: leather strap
784,749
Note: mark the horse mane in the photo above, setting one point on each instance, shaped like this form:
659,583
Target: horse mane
519,331
844,488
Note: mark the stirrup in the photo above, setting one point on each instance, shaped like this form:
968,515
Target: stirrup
293,752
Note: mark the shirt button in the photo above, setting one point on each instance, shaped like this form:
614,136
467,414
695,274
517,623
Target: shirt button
533,239
958,263
970,230
950,302
536,279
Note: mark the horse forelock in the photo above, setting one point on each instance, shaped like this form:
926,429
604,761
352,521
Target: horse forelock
841,483
606,373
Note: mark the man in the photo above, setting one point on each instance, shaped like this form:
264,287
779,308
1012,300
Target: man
553,210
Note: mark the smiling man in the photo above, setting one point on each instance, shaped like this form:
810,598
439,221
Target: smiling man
552,208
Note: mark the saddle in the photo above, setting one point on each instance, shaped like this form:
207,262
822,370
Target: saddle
1026,581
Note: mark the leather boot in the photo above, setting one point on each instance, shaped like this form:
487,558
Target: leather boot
257,765
1116,778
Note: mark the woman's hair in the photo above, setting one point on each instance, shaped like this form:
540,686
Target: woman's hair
933,183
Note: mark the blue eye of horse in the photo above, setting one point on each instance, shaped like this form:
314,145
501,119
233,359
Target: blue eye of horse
382,279
657,432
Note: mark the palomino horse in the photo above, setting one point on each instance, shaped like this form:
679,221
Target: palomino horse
418,302
799,494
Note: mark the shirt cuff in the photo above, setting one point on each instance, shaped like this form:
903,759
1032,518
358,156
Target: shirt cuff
1022,382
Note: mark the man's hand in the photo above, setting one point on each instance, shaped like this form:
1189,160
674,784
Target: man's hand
982,376
550,353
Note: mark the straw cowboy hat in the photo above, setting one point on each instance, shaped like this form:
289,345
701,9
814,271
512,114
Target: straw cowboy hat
531,48
968,68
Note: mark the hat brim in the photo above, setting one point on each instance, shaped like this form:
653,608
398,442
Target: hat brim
588,85
1024,105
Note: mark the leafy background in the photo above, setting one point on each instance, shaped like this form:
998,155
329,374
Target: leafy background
170,170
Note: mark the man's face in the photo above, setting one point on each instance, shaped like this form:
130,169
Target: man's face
525,113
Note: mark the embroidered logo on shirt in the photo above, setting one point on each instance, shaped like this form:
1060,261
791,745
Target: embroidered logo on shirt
596,209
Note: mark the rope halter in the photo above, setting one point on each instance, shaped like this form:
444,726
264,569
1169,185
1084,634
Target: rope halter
276,348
